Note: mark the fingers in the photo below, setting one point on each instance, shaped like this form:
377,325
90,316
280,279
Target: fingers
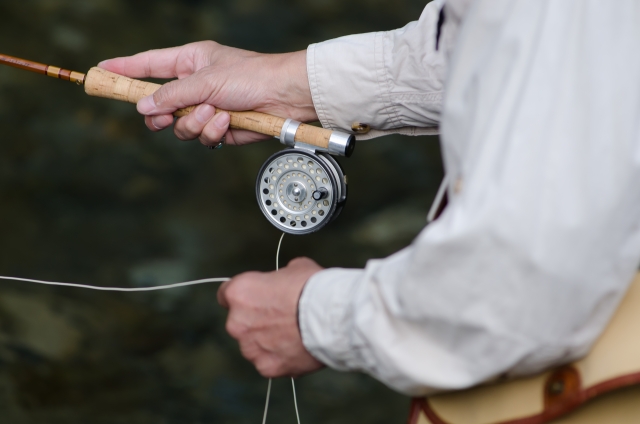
269,365
210,134
153,63
242,137
190,126
267,361
231,292
203,123
190,91
222,294
159,122
215,129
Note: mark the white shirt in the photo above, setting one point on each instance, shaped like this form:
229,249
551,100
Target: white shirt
540,128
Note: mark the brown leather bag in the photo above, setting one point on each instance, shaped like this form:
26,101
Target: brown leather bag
602,388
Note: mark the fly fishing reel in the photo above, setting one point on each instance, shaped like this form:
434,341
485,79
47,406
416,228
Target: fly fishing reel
302,189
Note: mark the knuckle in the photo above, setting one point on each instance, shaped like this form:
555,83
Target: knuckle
236,293
191,128
264,369
208,44
300,261
233,294
160,96
164,95
204,141
240,287
211,135
187,128
250,351
235,329
246,277
267,368
178,130
232,291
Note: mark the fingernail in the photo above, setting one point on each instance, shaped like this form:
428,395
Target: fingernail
103,63
146,105
154,122
221,120
204,113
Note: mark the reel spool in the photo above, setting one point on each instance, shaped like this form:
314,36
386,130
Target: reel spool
302,189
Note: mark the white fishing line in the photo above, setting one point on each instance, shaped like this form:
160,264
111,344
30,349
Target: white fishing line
293,384
295,400
278,253
166,287
119,289
266,404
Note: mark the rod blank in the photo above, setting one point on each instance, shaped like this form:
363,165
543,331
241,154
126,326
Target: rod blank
41,68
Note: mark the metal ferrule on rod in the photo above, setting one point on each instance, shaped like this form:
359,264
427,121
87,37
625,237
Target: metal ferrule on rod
288,132
65,74
340,144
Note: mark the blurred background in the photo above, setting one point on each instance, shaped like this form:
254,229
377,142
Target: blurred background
88,195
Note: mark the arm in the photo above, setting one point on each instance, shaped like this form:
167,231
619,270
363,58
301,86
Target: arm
539,241
211,75
392,81
389,80
541,237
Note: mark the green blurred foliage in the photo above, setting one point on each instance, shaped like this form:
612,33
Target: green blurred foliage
88,195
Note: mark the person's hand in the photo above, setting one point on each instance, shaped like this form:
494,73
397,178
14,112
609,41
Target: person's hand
263,317
216,76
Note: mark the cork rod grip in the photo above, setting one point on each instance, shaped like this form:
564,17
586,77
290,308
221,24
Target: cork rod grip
102,83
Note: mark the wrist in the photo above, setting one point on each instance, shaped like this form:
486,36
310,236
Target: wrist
294,90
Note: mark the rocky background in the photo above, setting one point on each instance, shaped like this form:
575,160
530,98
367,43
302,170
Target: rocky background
88,195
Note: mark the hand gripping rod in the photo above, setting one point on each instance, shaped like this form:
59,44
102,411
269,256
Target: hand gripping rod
102,83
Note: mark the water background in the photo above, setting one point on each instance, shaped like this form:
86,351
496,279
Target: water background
89,195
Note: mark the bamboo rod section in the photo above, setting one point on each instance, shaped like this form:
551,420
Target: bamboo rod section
41,68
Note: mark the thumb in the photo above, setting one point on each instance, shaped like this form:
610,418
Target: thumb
190,91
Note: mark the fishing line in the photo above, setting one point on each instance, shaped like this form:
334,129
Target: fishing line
166,287
300,189
293,384
266,404
295,400
119,289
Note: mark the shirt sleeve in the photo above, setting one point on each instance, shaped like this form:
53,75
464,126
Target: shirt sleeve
541,237
391,81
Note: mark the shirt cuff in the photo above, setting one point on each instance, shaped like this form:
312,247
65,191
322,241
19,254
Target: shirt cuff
391,81
325,317
343,78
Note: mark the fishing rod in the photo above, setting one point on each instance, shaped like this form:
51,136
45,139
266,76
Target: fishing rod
299,190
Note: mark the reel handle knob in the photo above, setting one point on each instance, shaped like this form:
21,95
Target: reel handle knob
102,83
320,194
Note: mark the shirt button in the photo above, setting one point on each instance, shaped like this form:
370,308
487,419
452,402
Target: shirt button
360,128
